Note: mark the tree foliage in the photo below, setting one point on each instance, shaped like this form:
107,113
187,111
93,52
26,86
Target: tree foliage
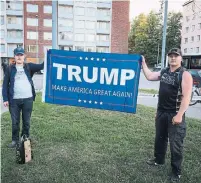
146,35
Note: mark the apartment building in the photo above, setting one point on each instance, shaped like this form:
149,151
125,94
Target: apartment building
37,29
191,28
12,25
83,25
93,26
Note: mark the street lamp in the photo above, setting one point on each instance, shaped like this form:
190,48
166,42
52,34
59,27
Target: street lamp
37,46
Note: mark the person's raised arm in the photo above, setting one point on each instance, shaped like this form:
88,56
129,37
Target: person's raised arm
151,76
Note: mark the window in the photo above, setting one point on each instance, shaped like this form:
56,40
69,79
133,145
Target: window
32,48
195,63
11,47
80,2
187,18
47,22
90,12
197,50
32,8
187,29
65,9
32,35
103,1
90,37
79,11
79,37
47,9
198,37
91,2
2,6
47,35
2,48
185,50
2,20
194,16
102,49
191,50
14,20
193,27
13,5
185,61
102,37
199,26
103,25
192,38
104,12
14,34
79,24
65,23
90,25
68,36
32,21
90,49
79,48
69,48
2,34
186,40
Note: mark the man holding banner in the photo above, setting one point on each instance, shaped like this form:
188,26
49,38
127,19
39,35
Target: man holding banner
174,98
18,93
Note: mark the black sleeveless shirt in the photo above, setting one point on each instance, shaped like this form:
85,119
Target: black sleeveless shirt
170,92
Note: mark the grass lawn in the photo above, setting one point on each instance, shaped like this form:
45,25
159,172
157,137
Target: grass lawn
94,146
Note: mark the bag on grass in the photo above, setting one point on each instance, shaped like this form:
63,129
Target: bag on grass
23,150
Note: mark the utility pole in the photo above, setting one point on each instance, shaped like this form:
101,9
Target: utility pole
164,34
37,37
158,54
54,24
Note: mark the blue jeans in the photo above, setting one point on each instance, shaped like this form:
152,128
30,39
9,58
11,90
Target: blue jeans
17,106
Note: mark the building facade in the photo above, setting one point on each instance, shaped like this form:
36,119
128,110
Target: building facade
191,28
93,26
37,29
83,25
12,26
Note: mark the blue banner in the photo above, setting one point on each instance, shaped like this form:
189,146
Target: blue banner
94,80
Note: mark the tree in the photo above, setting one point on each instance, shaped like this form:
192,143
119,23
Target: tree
145,36
137,34
173,38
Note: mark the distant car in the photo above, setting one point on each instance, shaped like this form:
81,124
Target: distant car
157,67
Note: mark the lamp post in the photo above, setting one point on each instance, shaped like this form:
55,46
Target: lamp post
37,39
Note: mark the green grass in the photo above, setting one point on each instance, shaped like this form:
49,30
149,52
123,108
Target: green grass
149,91
93,146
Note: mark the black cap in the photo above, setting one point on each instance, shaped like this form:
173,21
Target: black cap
176,51
18,50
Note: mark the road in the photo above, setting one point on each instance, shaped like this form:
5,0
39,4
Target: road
193,111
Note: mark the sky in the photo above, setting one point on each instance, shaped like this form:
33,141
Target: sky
145,6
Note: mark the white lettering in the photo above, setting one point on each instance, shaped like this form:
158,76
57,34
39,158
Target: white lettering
59,69
94,75
124,76
105,76
75,73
